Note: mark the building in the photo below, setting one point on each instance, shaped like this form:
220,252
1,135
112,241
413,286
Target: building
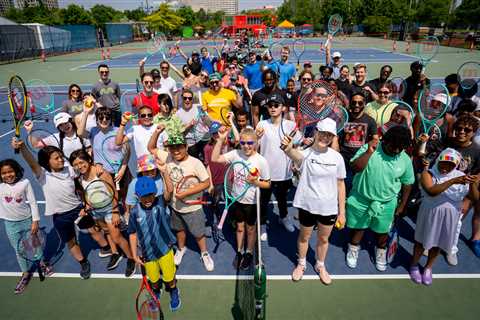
5,5
50,4
236,24
228,6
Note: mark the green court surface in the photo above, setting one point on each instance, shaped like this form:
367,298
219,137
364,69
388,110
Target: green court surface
71,299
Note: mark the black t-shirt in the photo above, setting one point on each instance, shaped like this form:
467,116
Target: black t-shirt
355,134
291,100
413,86
345,87
360,88
470,163
376,83
260,99
195,67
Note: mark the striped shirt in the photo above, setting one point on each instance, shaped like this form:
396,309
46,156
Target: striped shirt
153,230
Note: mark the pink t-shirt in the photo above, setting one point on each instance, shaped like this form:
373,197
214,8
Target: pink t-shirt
218,169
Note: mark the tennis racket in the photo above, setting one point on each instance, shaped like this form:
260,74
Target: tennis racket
469,74
186,183
427,49
40,138
200,130
432,105
392,243
99,195
40,96
31,247
17,98
138,85
235,186
114,155
147,304
334,25
155,45
396,113
126,104
398,88
298,50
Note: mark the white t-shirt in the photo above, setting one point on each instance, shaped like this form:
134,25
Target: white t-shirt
270,148
13,201
140,135
254,161
70,144
317,190
168,86
198,131
59,190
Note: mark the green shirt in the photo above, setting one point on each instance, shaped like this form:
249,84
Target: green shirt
383,176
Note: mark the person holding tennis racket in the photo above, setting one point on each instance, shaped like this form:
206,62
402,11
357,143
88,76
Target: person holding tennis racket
444,188
320,195
147,97
108,93
19,210
106,215
149,230
383,171
190,179
244,209
416,82
381,109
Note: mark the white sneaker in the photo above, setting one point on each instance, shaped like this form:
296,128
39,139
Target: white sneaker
287,223
452,259
177,258
207,261
264,236
352,255
425,253
381,259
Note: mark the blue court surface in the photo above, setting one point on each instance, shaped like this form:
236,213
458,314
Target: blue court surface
279,251
349,55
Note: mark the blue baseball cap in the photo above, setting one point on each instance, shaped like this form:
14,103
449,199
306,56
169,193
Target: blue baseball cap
145,186
214,127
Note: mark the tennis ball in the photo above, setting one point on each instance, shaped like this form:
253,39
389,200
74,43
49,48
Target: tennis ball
254,171
338,225
89,102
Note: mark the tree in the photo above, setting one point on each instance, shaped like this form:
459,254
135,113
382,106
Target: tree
74,14
102,14
468,13
377,24
433,13
135,15
188,15
164,19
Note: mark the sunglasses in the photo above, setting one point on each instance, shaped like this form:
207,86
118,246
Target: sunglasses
214,83
146,115
148,82
165,68
321,95
187,98
357,103
250,143
74,90
203,75
464,129
274,105
384,92
306,79
104,118
104,72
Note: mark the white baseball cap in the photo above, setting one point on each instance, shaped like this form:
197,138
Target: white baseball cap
336,54
441,97
327,125
60,118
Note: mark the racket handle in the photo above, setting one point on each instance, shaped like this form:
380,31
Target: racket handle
326,43
423,148
117,184
222,219
291,135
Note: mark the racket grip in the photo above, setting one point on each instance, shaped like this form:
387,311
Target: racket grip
222,219
291,135
117,184
423,148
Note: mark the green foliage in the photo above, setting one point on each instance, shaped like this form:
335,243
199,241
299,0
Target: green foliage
135,15
74,14
188,14
102,14
164,19
468,13
377,24
433,12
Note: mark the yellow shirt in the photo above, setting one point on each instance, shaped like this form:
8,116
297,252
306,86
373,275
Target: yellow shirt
380,113
217,105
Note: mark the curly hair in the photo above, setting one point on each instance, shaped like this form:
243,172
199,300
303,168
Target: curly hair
15,166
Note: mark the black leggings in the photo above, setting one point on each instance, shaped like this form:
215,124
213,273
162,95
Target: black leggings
280,190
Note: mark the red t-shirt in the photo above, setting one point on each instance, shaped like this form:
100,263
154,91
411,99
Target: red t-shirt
151,101
218,169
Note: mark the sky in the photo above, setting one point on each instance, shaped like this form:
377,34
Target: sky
133,4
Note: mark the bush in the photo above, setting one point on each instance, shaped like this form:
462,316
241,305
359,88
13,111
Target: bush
376,24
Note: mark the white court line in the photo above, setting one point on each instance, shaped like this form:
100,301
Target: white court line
269,277
13,130
106,61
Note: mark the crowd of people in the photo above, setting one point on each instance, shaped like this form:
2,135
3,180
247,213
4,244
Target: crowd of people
363,177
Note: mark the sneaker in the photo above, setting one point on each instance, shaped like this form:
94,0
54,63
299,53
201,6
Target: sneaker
381,259
237,260
103,253
177,259
264,236
247,260
287,224
427,277
452,259
115,259
130,269
425,253
85,272
476,247
207,261
298,272
23,283
352,255
47,269
175,301
323,273
415,275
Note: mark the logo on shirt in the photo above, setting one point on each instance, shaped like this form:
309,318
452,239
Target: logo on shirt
322,163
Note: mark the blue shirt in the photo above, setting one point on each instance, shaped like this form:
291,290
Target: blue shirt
207,64
153,230
132,198
253,73
286,71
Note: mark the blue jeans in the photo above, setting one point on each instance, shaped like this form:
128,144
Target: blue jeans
14,230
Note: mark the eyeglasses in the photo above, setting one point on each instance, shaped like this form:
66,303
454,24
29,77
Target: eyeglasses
357,103
146,115
148,82
321,95
384,92
104,118
214,83
187,98
165,68
464,129
104,72
203,75
250,143
306,79
274,105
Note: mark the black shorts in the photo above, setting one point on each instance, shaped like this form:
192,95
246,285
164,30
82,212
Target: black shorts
64,223
244,213
308,219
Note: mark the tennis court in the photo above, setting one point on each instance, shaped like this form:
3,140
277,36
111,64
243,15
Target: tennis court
363,293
